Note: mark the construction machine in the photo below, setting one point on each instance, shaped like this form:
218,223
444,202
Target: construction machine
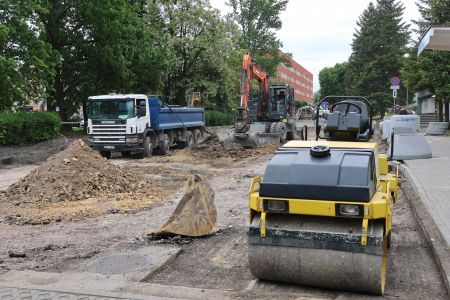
322,213
267,118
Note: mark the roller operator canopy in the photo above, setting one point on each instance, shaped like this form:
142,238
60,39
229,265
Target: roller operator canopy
437,37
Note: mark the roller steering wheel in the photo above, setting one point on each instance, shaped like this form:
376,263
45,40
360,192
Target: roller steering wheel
348,107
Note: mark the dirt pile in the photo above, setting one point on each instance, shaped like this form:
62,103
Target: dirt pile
78,183
212,147
75,173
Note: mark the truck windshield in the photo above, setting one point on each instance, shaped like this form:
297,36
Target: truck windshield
111,109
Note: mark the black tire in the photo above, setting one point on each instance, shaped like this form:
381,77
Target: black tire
290,136
189,140
106,154
126,154
197,136
164,145
148,147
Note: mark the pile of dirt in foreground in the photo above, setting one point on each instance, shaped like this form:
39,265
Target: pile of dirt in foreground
212,147
79,183
73,174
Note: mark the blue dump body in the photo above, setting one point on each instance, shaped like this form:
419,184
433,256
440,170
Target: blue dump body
174,117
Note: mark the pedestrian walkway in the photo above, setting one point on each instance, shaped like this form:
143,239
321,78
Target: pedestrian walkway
433,177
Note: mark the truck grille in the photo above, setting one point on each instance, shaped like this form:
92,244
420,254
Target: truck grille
109,133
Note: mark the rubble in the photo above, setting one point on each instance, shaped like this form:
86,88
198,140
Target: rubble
212,148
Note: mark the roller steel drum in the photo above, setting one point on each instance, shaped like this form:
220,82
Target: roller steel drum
321,253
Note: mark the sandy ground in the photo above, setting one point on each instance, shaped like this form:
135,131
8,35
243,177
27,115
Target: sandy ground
220,260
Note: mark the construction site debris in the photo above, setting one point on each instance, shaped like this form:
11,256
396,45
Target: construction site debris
212,148
78,183
73,174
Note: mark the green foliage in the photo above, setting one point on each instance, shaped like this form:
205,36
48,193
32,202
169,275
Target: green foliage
218,118
259,20
431,70
26,65
28,127
333,80
202,46
301,103
379,45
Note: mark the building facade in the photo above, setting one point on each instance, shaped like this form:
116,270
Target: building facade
297,77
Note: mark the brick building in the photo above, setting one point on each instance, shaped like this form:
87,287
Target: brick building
297,77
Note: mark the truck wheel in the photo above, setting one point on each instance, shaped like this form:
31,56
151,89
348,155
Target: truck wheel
189,140
106,154
164,145
148,147
197,136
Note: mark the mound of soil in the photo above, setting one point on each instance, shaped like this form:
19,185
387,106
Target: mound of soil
73,174
212,148
78,183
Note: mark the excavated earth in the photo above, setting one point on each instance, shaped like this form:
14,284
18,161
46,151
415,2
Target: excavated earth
218,261
74,184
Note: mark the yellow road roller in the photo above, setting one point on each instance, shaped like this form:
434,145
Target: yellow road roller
321,214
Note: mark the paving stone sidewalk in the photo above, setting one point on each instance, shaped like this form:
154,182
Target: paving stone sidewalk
433,176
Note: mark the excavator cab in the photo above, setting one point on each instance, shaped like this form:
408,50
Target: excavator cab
281,101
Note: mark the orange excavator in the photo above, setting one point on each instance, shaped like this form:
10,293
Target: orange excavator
267,118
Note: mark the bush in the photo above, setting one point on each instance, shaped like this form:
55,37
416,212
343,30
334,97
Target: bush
28,127
218,118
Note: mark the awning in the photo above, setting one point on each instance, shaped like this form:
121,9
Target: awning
437,37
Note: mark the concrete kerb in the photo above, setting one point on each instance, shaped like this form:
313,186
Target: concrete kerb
431,232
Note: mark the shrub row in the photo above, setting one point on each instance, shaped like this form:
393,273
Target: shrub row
218,118
28,127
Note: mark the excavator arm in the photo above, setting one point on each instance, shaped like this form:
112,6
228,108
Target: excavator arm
251,70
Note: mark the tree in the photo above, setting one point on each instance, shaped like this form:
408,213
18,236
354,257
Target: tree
431,69
202,43
379,44
26,65
333,80
101,47
259,20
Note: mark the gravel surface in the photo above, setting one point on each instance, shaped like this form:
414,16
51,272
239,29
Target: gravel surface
31,154
218,261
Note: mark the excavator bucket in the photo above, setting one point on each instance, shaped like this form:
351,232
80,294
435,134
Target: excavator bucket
256,137
195,214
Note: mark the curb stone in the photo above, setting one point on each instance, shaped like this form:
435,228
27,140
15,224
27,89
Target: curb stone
441,251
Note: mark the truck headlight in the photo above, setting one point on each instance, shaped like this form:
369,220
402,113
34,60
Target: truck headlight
132,140
349,210
276,205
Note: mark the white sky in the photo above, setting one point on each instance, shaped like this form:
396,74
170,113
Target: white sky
319,32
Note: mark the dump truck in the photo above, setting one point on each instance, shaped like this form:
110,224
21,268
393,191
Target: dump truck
130,123
321,215
268,118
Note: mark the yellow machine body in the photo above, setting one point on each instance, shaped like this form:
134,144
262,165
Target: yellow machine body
328,250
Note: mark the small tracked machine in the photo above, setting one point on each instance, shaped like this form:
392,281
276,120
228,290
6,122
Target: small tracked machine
322,213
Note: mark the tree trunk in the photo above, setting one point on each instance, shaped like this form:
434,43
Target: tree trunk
441,115
382,113
446,105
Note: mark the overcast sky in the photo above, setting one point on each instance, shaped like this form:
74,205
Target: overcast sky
319,32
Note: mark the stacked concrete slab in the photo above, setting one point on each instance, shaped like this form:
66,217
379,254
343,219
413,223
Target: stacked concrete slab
437,128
